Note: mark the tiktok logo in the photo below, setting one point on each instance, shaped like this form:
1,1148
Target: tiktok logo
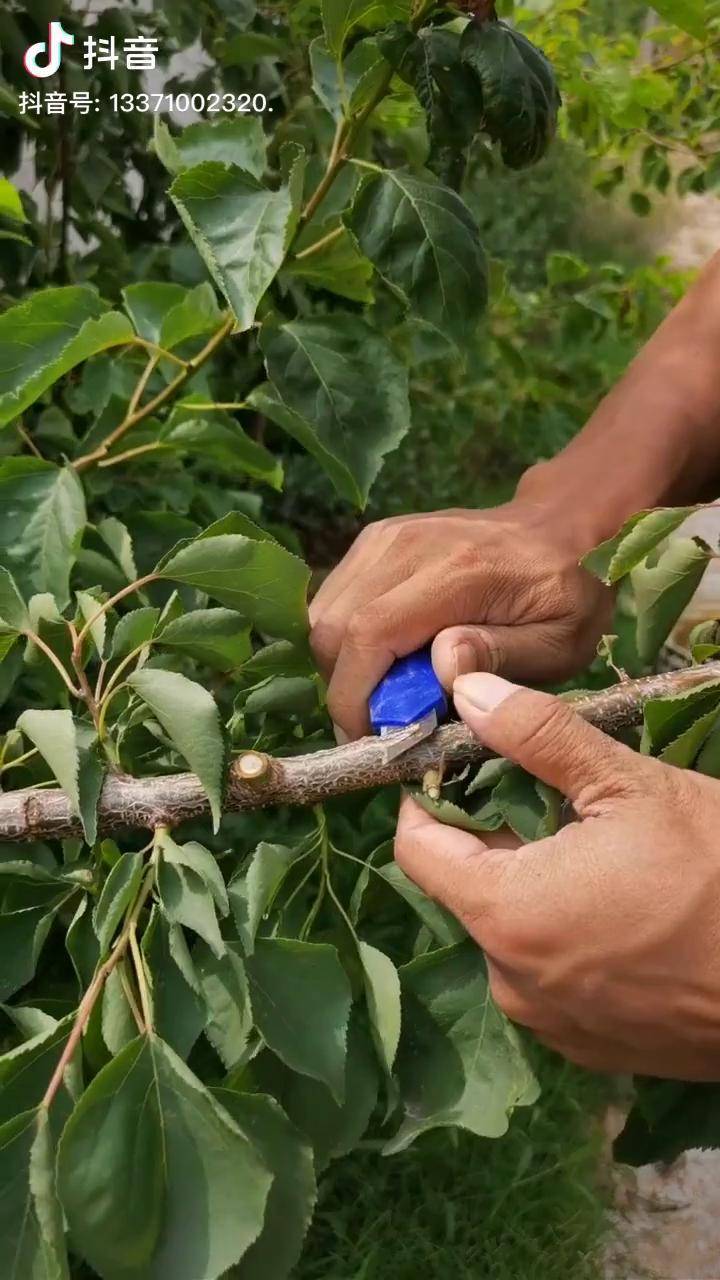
57,37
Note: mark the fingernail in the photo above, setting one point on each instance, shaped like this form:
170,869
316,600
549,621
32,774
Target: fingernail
484,690
341,737
464,658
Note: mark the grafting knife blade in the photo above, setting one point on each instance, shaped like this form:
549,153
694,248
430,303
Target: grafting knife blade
396,742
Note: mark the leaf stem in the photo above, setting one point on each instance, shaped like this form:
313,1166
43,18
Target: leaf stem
52,657
110,604
320,244
131,453
161,352
133,416
94,991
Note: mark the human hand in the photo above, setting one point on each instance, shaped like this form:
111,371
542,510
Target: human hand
603,938
499,590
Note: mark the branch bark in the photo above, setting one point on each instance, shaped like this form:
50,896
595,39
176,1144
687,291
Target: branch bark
36,813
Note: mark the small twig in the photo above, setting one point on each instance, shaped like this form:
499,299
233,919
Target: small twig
320,244
142,382
132,418
52,657
139,449
28,440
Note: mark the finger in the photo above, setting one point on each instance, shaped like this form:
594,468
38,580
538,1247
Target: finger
399,622
527,652
451,866
367,548
367,584
546,737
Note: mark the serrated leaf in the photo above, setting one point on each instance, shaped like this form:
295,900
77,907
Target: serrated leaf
423,240
529,807
217,637
90,610
665,719
337,388
189,716
265,583
220,442
42,516
252,890
238,227
168,314
32,1240
282,695
663,591
293,1193
460,1061
239,141
519,93
144,1126
250,46
613,559
43,338
668,1118
225,991
453,816
301,1000
278,659
118,892
382,988
91,776
133,630
341,17
82,945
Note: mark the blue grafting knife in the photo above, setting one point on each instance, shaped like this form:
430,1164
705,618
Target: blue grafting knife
408,704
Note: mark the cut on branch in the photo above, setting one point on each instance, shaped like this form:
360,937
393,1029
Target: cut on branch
37,813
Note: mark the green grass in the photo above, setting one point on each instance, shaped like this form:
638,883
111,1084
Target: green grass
528,1207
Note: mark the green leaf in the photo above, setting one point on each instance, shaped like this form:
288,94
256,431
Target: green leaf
81,944
279,659
666,719
519,94
248,47
54,735
118,892
155,1178
180,1013
530,808
189,716
43,338
168,314
340,17
334,1130
10,202
186,900
32,1238
337,268
133,630
13,610
219,442
225,991
42,516
338,389
116,1019
283,695
669,1117
461,1061
565,268
662,592
26,1071
441,924
90,612
688,15
301,1000
239,141
613,559
265,583
382,988
252,890
217,637
425,243
239,229
293,1193
199,860
345,90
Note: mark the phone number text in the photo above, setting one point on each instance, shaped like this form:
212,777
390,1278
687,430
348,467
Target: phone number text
123,103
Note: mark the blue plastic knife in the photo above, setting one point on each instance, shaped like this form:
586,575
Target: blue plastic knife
407,704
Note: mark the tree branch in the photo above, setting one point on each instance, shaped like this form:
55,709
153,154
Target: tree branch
257,782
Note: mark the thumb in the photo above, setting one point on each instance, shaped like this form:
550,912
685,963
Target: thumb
546,737
528,652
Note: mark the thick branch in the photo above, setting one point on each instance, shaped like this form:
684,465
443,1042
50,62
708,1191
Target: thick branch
126,802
